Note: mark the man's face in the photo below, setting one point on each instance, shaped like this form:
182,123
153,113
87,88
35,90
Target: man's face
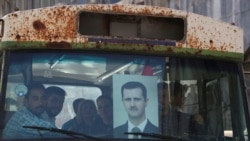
36,101
134,102
54,105
104,108
87,111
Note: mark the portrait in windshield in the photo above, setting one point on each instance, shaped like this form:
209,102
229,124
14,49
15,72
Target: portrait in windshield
135,105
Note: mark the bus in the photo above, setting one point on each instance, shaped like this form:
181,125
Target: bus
169,74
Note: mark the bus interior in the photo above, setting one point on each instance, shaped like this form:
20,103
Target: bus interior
211,90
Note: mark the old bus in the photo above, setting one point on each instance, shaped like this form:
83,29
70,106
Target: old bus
174,75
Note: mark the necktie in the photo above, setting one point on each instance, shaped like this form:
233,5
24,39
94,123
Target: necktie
136,130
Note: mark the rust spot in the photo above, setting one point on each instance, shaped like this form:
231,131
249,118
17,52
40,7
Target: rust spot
18,37
198,52
193,42
146,11
38,25
116,8
58,45
179,44
169,50
98,45
14,15
212,47
150,47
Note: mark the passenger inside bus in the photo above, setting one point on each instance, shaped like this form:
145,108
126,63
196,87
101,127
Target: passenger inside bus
214,114
180,122
88,122
105,111
75,105
177,121
201,102
30,114
54,97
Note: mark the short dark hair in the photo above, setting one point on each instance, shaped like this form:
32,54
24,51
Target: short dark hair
87,101
132,85
54,90
34,85
177,89
105,97
76,104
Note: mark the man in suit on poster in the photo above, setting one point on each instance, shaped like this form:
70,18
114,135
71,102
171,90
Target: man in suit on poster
134,99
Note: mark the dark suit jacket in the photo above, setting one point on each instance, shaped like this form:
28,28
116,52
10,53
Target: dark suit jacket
149,128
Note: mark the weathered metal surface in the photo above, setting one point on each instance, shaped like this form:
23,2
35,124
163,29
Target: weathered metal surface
207,33
59,25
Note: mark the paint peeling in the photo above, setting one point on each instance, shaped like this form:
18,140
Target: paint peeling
38,25
58,26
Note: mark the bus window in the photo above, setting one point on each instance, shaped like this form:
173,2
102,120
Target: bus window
191,93
73,93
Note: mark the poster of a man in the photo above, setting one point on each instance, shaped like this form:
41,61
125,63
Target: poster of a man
138,97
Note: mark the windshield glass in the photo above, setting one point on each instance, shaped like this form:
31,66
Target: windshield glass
52,94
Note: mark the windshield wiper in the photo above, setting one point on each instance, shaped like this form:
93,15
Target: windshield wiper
164,137
154,135
64,132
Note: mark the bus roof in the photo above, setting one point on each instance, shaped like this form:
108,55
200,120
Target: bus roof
60,25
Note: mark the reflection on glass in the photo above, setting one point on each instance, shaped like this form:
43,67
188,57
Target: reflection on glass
186,98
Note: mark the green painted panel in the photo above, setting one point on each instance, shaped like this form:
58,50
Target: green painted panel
135,48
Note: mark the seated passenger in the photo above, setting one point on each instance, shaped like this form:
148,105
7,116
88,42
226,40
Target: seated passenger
182,124
76,104
86,119
105,111
54,97
177,121
30,115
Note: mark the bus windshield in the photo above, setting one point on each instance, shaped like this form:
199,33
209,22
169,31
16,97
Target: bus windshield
109,95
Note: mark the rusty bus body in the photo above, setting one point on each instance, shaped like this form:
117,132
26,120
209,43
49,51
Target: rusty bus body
100,46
